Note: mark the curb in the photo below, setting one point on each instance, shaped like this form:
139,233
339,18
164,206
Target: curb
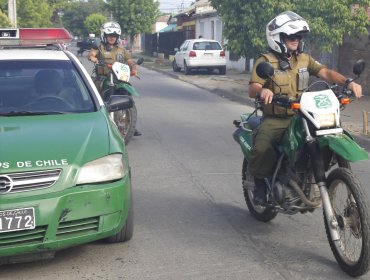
361,140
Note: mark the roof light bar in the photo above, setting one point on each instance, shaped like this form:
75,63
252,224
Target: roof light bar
34,36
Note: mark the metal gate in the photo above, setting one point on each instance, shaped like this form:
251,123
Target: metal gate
166,42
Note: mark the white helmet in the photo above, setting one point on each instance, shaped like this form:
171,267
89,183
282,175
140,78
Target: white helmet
110,27
287,23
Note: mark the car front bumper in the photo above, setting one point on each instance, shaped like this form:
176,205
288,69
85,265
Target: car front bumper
195,63
74,216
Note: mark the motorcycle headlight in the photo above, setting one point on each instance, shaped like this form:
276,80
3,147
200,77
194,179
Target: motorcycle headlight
108,168
326,120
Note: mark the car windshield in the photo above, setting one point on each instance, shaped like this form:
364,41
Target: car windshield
206,46
42,87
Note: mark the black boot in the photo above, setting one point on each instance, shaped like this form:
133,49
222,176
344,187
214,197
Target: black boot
260,192
137,133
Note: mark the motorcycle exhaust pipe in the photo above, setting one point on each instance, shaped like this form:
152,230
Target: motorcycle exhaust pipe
299,191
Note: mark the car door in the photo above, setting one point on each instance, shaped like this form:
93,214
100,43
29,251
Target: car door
180,55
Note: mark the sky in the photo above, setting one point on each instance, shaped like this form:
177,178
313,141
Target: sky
173,6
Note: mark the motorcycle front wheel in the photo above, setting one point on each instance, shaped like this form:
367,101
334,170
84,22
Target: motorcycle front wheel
126,122
351,208
261,213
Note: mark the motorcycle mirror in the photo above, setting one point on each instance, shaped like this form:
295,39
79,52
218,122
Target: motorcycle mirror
359,67
95,45
140,61
265,70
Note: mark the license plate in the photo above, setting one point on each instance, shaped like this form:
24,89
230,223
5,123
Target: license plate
17,219
208,54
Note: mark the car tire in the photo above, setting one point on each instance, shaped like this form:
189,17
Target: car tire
222,70
186,69
175,67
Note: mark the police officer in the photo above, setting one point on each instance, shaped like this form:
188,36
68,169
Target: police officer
292,69
110,51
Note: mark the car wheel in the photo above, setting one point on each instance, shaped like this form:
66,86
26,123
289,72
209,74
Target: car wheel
186,69
175,67
222,70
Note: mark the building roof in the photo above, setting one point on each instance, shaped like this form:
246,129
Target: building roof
198,7
169,27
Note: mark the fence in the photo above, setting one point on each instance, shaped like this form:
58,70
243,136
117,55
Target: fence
365,115
166,42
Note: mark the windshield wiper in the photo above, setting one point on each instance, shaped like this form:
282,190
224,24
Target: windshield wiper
31,113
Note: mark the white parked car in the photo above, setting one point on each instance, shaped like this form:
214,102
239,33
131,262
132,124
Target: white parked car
200,54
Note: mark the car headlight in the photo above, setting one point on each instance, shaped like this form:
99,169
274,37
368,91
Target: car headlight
108,168
326,120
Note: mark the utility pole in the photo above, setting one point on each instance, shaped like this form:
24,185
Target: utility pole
12,12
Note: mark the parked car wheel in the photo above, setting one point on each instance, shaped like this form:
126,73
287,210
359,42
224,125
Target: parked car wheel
186,69
222,70
175,67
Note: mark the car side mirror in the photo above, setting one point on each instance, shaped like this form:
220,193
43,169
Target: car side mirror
119,102
359,67
265,70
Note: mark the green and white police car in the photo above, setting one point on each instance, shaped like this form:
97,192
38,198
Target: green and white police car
64,171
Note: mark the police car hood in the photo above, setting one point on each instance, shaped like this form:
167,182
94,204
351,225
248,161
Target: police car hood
52,141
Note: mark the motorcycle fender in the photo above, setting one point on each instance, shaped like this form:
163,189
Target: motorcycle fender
245,140
344,146
129,88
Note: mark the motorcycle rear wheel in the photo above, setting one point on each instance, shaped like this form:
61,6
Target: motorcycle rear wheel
351,207
261,213
126,122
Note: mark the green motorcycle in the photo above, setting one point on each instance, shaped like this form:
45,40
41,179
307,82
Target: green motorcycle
313,146
117,83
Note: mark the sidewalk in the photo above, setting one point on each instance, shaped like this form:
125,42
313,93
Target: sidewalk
234,86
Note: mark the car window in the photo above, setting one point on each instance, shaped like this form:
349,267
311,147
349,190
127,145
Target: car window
42,87
184,46
206,46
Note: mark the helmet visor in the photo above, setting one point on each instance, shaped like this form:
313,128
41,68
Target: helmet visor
291,37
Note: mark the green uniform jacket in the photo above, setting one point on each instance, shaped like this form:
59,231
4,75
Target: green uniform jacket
117,53
290,82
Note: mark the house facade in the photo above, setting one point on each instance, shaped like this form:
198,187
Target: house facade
202,20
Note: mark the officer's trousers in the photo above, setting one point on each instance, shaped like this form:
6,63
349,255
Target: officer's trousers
264,155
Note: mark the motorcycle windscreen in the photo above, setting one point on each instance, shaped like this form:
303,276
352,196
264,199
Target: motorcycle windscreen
344,146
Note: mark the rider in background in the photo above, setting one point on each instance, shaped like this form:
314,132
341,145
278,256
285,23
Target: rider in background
292,70
110,51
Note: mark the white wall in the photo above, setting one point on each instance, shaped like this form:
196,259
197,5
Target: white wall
237,65
209,28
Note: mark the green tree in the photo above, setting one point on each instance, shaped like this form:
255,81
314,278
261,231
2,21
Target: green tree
4,21
134,16
33,13
93,23
75,13
329,21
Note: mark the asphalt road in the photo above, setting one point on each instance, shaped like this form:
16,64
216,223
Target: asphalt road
191,221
